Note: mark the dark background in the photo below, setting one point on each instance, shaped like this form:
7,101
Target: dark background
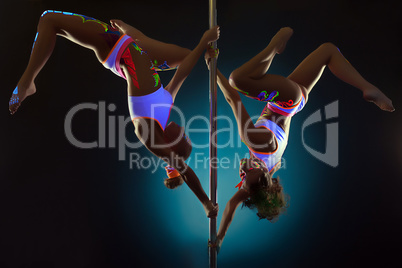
63,206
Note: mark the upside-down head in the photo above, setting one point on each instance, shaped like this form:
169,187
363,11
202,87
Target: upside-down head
174,179
267,195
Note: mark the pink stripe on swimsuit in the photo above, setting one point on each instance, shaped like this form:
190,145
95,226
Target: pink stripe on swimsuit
112,61
286,110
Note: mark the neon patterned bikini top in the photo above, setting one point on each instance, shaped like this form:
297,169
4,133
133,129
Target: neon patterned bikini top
272,159
284,108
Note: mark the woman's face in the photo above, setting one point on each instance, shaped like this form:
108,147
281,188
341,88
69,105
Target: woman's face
252,172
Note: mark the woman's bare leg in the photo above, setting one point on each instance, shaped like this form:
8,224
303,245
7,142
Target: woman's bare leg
251,78
151,135
257,67
163,55
87,33
159,52
310,69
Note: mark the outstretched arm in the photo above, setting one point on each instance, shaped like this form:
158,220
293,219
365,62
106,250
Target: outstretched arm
244,122
247,131
158,146
231,95
189,62
228,214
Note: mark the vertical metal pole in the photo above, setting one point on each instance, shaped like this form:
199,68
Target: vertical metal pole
212,139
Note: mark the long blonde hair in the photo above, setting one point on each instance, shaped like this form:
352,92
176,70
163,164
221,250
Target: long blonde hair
270,201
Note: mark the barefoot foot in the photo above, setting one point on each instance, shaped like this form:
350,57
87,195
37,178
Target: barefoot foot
211,210
375,95
19,94
281,38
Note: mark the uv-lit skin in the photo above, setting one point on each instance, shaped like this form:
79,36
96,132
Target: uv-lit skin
96,35
251,80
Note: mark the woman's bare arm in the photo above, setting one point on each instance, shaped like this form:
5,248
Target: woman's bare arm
248,133
190,60
228,214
